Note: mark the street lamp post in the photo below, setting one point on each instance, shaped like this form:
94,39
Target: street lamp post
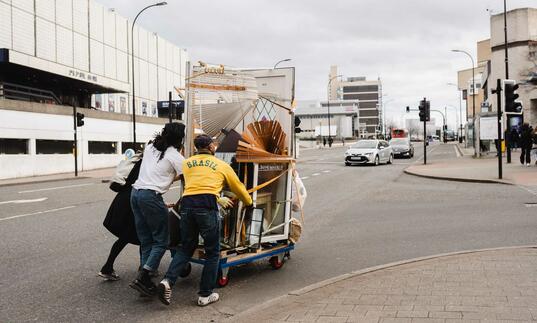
460,111
133,89
283,60
328,105
473,96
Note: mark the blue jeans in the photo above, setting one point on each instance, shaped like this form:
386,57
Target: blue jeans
196,222
151,220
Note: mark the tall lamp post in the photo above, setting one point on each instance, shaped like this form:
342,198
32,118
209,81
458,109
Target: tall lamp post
133,90
328,105
473,96
460,110
283,60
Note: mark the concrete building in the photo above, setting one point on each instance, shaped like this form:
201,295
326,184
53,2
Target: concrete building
344,117
56,54
522,53
369,95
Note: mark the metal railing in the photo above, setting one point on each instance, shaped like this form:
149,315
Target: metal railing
26,93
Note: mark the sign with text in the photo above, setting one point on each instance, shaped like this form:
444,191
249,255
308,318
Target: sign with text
488,128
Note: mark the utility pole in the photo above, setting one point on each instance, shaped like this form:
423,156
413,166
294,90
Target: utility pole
170,106
507,130
498,92
75,152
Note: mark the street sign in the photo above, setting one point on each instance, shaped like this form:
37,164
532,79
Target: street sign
488,128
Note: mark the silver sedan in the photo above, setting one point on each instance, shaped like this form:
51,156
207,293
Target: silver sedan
369,152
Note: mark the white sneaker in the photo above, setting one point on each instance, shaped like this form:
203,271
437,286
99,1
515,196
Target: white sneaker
164,292
204,301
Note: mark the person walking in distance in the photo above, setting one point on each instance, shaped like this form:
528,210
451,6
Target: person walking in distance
161,165
205,177
526,143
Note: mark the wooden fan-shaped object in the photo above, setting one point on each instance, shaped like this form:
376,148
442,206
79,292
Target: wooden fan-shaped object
264,141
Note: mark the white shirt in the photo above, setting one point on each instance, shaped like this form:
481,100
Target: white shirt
158,175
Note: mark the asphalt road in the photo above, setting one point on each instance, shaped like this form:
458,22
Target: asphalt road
356,217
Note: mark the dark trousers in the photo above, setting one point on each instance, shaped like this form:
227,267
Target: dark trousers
151,219
116,249
196,222
525,154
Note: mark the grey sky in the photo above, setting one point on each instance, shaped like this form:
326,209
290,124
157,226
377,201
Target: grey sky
405,42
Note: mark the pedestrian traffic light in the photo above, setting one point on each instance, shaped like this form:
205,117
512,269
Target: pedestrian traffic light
407,109
297,124
79,119
511,104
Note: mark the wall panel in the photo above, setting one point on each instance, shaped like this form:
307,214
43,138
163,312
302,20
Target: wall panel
64,49
81,52
80,16
23,27
5,25
64,13
96,57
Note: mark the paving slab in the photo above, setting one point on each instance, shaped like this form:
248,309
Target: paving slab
498,285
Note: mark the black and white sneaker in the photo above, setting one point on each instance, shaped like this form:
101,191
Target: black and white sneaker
164,292
143,284
109,277
204,301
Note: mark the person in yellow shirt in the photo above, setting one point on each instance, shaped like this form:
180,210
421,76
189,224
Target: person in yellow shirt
205,176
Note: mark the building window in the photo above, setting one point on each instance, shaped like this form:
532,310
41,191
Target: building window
363,96
13,146
128,145
102,147
53,146
363,88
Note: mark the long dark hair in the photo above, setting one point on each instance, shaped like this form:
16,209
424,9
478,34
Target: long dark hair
171,136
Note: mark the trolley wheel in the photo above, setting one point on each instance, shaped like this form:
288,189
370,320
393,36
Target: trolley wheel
222,280
276,263
187,269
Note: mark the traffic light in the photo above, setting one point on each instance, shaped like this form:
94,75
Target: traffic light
407,109
445,127
297,124
79,119
425,110
511,104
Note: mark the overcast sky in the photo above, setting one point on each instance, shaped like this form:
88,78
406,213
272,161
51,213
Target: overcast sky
404,42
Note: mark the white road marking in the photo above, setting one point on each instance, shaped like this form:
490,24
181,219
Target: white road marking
457,152
55,188
305,177
36,213
326,171
24,201
316,174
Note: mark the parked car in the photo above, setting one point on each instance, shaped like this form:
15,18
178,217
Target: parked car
402,147
369,152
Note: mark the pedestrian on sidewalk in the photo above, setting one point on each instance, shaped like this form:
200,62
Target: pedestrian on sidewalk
515,138
526,143
119,221
205,177
161,165
324,141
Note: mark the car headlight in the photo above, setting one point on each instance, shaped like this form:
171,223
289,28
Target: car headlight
368,154
347,153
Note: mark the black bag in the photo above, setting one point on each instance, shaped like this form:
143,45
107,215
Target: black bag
174,225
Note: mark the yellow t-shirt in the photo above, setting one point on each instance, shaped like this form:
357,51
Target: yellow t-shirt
206,174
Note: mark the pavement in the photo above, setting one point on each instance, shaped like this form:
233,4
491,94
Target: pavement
478,170
356,218
478,286
102,173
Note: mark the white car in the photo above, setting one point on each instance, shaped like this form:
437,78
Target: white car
369,152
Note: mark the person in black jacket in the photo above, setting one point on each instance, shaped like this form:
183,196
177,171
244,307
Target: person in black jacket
119,221
526,143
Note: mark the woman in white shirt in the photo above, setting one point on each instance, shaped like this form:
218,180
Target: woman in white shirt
161,165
